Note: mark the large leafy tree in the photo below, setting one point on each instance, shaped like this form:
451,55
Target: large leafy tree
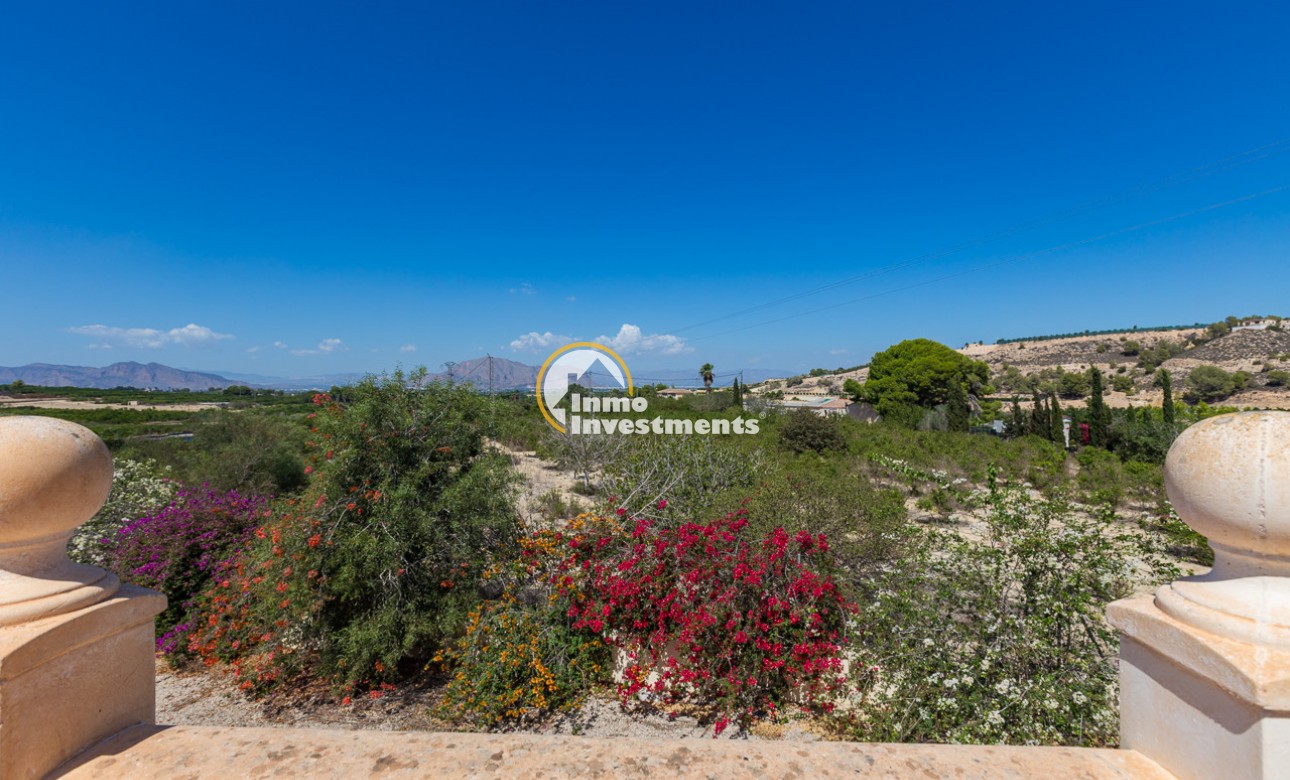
915,375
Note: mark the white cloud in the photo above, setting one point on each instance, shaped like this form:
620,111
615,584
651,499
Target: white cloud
253,350
150,338
837,352
325,347
525,289
572,299
408,348
534,341
630,339
280,344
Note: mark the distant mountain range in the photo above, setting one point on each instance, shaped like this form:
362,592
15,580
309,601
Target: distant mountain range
505,375
151,375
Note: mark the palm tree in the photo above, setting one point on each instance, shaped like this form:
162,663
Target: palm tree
705,371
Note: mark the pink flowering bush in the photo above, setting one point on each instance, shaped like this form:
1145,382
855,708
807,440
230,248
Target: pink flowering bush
709,615
178,548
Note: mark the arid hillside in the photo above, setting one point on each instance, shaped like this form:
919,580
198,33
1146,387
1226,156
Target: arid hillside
1254,351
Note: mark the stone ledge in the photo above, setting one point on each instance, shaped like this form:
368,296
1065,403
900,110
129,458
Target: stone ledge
145,752
1257,675
30,645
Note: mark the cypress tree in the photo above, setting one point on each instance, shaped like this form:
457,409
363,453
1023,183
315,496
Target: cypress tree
1099,427
1055,419
1017,422
1167,405
1039,418
957,411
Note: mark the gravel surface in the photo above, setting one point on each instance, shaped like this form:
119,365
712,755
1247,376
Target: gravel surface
209,699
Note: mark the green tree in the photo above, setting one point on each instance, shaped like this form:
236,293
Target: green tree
957,410
1039,424
1209,383
707,373
855,390
1167,403
737,394
1016,419
913,376
1055,419
1073,384
805,430
1099,414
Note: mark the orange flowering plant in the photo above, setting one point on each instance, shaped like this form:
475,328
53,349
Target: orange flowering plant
380,561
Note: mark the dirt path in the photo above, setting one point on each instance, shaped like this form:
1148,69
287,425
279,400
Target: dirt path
541,478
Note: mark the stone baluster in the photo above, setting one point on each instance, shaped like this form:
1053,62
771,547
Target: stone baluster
76,646
1205,664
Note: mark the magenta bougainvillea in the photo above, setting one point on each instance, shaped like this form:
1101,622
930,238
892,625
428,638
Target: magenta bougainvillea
177,549
708,614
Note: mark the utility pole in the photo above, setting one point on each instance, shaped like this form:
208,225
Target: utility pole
490,376
450,365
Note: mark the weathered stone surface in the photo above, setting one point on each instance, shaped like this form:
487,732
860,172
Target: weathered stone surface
145,753
1229,479
70,680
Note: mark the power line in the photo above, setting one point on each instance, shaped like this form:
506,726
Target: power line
1208,169
1006,261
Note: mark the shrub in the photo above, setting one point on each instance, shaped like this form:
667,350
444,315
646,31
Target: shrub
1101,476
1074,384
1277,378
1209,383
806,431
139,488
865,525
708,615
1001,639
521,657
381,560
683,470
515,664
249,451
177,549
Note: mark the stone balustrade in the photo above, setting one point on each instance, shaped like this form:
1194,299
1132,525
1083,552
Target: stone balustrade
1205,663
76,646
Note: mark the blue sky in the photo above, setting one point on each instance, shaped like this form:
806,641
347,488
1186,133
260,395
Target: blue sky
297,189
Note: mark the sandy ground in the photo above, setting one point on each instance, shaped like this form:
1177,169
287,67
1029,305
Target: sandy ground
540,477
64,403
210,699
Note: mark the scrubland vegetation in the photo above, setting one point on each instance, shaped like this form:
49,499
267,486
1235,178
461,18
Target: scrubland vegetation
888,581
